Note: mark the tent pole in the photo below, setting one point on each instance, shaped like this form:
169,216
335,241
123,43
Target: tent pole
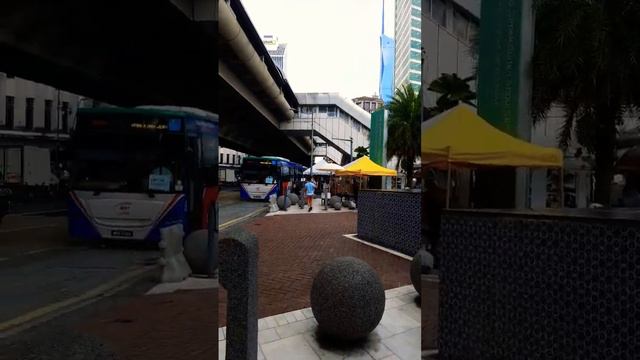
449,185
562,187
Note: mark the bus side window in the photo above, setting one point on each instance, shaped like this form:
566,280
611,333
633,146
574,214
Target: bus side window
193,159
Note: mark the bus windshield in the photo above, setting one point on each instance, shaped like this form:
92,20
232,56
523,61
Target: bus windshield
258,172
127,161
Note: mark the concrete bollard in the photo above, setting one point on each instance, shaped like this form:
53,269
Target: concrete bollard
273,204
239,275
174,265
430,309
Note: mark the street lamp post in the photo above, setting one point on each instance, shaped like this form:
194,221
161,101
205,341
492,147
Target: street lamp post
350,140
312,146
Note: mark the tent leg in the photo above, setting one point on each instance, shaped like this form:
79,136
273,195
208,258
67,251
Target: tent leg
562,188
449,186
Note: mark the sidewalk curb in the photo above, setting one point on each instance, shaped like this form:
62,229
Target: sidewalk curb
355,237
48,312
243,218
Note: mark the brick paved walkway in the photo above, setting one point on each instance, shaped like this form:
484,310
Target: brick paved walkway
180,325
292,249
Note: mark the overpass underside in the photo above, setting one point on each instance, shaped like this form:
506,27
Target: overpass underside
124,53
142,52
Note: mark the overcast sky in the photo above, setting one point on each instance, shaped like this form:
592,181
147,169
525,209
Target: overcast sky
333,45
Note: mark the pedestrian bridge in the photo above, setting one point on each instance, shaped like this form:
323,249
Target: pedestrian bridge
333,120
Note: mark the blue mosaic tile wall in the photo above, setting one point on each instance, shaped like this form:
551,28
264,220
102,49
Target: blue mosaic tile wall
390,219
514,287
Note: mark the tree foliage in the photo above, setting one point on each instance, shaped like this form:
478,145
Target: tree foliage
361,151
452,90
587,62
404,127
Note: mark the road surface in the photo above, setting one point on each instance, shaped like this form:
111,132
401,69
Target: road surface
42,273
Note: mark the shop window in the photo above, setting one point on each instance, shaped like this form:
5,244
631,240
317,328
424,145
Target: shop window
9,112
48,107
28,114
460,25
65,116
439,12
11,165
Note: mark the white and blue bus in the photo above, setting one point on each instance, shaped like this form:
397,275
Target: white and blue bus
262,176
136,170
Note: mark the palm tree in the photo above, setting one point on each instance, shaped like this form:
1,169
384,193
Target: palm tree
403,139
452,90
361,151
587,61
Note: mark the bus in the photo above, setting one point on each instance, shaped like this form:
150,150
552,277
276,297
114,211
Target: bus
261,176
137,170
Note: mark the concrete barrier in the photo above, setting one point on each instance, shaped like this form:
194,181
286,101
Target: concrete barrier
391,219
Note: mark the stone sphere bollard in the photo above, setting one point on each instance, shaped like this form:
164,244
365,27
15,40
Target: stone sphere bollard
281,202
334,199
422,263
337,205
294,198
347,298
195,250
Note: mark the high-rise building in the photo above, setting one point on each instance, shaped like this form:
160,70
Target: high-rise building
387,61
449,30
408,44
277,51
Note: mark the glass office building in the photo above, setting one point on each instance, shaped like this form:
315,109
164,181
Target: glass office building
408,43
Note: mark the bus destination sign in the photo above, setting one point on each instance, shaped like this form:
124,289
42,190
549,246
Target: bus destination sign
148,126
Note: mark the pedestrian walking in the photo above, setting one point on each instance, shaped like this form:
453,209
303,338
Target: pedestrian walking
310,188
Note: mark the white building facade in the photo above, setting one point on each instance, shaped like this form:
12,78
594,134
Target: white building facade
339,125
408,41
35,119
229,165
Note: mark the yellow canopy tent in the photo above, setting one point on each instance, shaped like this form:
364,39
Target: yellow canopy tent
365,167
461,138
